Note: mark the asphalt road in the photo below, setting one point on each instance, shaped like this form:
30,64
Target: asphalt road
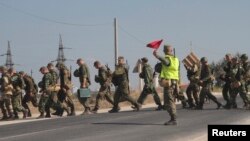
146,125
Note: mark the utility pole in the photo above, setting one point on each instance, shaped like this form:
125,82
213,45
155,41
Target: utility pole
31,72
116,41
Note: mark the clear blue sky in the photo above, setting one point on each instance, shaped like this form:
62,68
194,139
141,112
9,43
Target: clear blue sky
215,27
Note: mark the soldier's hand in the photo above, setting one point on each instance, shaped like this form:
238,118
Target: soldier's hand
155,53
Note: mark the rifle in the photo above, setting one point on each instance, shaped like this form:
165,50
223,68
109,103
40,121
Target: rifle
126,70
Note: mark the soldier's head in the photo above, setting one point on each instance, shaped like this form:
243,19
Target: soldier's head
50,66
168,49
80,61
22,73
144,60
235,61
228,57
60,65
244,57
97,64
11,71
204,60
3,69
121,60
44,70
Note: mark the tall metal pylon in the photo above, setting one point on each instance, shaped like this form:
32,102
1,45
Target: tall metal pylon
9,63
61,58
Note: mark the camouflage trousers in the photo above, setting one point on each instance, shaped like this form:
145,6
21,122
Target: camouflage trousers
227,94
149,89
169,100
29,97
192,94
42,102
5,106
122,93
16,103
243,94
104,92
53,102
66,99
206,91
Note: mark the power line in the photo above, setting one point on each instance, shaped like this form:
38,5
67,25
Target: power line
131,35
50,20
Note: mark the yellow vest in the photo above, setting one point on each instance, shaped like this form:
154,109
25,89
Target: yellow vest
171,71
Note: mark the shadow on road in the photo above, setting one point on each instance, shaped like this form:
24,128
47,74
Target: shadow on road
129,123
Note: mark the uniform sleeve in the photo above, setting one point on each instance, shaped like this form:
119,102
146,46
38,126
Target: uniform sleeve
164,60
47,81
83,74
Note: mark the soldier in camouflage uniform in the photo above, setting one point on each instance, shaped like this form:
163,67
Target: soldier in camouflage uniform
121,81
5,94
18,85
65,93
84,78
205,81
48,97
227,91
104,79
246,66
147,76
31,90
237,75
193,87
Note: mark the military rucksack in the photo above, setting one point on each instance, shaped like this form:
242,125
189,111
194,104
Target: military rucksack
158,67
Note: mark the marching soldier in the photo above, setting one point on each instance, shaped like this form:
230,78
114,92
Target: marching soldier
169,78
147,76
48,98
84,78
104,79
238,84
65,93
227,91
31,90
6,94
18,85
193,87
121,81
205,81
246,66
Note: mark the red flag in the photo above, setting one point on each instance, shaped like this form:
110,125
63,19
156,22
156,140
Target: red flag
155,44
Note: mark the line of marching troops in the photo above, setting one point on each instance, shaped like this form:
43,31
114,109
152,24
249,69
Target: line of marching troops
56,88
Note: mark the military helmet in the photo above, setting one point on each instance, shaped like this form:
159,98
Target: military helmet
3,68
203,59
144,59
59,65
244,57
76,73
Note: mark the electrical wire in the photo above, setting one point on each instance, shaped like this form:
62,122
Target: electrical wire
51,20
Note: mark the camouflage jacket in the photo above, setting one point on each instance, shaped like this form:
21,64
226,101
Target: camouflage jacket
206,74
54,77
120,75
102,76
47,81
84,73
17,82
6,85
147,74
30,85
64,75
